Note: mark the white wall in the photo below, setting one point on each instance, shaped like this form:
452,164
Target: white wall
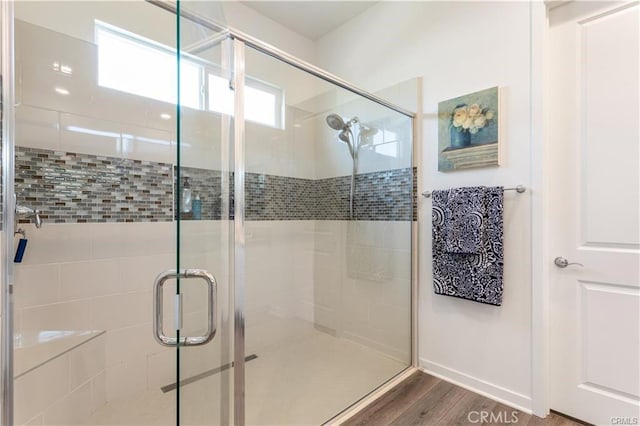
253,23
76,19
460,47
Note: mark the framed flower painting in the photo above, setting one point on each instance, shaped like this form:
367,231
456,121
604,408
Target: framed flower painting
469,131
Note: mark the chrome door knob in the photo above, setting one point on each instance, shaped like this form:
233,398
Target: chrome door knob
561,262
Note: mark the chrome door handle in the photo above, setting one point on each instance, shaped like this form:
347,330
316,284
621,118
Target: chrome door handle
158,307
561,262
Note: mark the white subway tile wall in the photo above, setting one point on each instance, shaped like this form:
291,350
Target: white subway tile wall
107,288
64,390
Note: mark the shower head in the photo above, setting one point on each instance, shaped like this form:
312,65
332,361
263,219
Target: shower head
344,136
336,122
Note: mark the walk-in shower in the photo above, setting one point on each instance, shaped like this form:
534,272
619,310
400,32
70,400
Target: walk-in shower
271,305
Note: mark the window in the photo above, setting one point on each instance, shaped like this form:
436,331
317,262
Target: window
263,102
135,65
142,68
385,141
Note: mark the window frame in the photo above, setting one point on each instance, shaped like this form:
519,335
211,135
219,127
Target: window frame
205,70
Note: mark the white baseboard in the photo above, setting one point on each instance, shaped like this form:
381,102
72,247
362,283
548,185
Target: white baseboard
482,387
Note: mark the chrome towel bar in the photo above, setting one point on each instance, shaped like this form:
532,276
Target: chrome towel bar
519,189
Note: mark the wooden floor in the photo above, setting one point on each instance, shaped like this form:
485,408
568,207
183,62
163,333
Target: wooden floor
422,399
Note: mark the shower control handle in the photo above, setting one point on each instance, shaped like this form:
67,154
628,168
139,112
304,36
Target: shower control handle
158,307
23,212
561,262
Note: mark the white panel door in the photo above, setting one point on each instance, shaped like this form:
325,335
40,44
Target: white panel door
594,201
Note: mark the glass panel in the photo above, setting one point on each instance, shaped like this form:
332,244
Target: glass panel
328,287
98,149
205,225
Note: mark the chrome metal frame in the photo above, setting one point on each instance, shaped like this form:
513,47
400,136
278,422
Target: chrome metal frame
8,209
274,52
415,294
239,233
416,135
278,54
358,406
227,243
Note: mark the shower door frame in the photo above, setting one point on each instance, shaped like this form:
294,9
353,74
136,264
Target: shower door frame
240,41
7,77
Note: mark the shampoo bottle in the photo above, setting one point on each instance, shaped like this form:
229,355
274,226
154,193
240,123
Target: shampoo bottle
185,199
197,208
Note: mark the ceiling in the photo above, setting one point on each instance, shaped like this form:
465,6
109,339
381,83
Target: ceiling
312,19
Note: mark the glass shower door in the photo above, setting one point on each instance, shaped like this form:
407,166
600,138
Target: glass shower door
204,220
192,300
328,209
133,179
103,149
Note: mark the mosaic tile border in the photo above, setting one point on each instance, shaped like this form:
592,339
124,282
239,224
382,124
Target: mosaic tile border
80,188
77,188
269,197
386,195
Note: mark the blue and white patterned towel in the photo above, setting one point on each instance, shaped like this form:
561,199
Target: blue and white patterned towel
464,212
474,276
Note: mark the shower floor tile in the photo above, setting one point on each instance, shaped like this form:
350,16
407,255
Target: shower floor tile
301,376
